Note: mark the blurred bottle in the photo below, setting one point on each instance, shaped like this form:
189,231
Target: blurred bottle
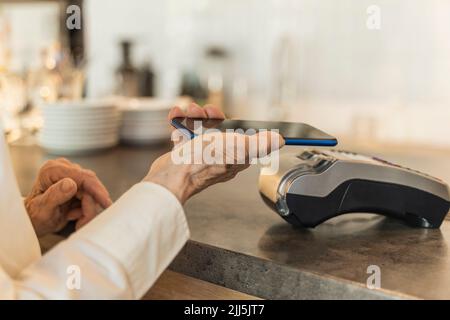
127,75
146,80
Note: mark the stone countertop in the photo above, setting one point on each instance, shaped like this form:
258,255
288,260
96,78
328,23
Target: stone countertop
239,243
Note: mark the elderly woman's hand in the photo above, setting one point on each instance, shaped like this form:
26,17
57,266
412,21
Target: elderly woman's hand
187,179
64,192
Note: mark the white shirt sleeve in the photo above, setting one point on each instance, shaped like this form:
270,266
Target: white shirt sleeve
118,255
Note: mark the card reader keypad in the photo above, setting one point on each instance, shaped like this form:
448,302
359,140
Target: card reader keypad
345,155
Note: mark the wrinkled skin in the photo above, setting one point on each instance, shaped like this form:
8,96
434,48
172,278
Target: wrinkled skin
63,192
185,180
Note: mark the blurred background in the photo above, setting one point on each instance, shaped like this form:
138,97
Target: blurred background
323,62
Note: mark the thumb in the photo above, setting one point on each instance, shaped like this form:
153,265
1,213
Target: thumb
59,193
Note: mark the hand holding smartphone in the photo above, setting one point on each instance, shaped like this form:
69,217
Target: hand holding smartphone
299,134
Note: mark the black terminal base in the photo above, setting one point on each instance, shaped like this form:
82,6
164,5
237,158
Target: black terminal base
415,207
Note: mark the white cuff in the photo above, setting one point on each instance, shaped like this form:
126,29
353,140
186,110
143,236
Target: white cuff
144,230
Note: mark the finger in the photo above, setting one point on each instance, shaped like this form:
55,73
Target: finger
59,193
176,112
74,214
86,180
63,160
92,185
70,205
213,112
195,111
89,209
176,135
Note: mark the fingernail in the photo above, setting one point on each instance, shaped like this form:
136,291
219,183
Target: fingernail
66,186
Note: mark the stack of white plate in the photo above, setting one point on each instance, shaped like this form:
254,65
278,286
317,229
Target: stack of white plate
78,127
144,121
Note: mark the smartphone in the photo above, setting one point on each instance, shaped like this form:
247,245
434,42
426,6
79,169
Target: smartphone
299,134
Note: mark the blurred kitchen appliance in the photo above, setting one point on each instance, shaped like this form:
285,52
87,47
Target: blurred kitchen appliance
146,80
316,185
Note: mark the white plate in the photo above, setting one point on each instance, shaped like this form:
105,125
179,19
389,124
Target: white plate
146,104
66,125
145,141
79,104
146,126
76,129
143,120
145,130
145,112
80,135
75,151
144,137
77,136
145,117
78,122
80,112
145,133
77,133
79,118
75,144
88,123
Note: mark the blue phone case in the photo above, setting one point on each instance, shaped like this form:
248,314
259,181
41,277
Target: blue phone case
288,141
309,142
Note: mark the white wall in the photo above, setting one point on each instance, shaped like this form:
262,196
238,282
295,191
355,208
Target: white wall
401,70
